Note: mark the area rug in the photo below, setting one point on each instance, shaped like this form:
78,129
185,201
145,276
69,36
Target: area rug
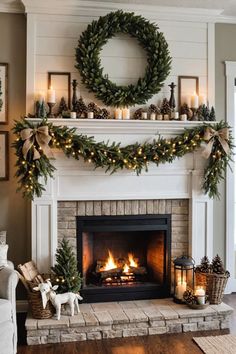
224,344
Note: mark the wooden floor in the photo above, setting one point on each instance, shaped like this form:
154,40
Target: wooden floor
161,344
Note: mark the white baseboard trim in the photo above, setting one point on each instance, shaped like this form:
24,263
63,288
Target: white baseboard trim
22,305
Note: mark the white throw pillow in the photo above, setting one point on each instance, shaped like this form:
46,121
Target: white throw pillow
3,255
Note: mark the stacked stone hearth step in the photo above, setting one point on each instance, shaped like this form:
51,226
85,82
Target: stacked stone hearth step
127,319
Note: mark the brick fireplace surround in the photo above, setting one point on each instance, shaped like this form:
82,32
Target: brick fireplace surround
78,190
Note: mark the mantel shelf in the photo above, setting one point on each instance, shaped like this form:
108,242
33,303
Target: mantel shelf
127,127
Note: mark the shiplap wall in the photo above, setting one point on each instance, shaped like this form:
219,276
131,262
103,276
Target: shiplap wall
56,37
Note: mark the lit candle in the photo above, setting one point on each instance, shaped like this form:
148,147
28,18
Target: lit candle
201,298
51,95
180,289
194,101
118,113
202,100
125,113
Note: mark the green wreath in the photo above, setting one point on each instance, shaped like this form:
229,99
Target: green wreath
89,64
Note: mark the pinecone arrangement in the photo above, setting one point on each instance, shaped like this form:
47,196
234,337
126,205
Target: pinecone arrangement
81,108
184,109
165,107
215,267
138,113
154,109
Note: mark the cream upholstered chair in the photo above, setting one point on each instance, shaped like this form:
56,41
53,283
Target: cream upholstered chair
8,329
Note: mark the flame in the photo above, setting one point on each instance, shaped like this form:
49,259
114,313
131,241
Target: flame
110,264
126,268
132,262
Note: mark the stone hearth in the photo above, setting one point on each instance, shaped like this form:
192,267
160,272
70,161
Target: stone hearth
127,319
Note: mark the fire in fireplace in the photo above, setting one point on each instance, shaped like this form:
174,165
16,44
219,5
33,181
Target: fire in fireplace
124,257
121,271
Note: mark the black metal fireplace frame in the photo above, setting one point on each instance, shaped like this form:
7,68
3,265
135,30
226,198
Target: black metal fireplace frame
132,223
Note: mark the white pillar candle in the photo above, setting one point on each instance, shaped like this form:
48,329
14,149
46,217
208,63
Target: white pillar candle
202,100
73,115
176,116
118,113
180,289
153,116
90,115
144,115
125,113
194,101
201,296
166,117
51,97
159,117
183,117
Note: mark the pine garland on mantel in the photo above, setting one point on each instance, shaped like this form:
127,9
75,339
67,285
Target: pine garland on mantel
34,142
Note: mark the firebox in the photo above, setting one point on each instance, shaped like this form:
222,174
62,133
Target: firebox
124,257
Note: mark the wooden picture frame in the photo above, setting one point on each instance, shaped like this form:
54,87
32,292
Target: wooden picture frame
3,93
187,86
61,82
4,156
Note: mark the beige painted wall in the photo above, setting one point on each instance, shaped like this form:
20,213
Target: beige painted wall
13,208
225,49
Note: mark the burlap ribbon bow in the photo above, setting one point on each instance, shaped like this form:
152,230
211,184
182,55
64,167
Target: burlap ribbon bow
210,135
42,137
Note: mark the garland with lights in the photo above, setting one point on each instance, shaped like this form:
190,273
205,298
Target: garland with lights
34,142
151,40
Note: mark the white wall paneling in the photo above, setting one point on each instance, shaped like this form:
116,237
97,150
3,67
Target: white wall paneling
230,71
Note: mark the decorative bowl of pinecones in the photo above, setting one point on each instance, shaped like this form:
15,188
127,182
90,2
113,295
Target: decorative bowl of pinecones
192,300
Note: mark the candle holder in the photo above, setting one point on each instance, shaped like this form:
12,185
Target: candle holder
183,277
195,116
51,105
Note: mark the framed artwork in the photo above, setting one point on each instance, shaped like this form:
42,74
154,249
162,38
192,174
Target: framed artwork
61,83
4,156
3,93
188,85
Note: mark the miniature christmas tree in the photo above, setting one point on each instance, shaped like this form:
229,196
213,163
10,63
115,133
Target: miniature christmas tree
184,109
37,109
138,114
205,266
65,270
203,113
62,107
217,265
212,116
165,107
81,108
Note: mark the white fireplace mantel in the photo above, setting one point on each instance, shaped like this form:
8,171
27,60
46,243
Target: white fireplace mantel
76,180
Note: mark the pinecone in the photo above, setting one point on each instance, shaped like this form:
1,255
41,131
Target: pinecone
62,107
154,109
165,107
138,114
217,265
205,266
203,113
92,107
184,109
103,114
81,108
189,297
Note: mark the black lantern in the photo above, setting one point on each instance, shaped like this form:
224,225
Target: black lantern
183,276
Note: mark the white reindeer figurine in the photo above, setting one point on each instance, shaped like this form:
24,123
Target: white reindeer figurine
48,293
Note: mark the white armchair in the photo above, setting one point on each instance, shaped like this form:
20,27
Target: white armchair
8,329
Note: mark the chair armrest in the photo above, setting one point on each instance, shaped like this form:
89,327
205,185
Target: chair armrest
8,282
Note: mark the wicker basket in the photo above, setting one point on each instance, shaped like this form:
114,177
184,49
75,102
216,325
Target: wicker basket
36,306
214,284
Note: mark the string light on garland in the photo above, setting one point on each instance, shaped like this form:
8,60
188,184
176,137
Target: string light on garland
113,157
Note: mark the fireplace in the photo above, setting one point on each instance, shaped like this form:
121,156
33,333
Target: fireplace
124,257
